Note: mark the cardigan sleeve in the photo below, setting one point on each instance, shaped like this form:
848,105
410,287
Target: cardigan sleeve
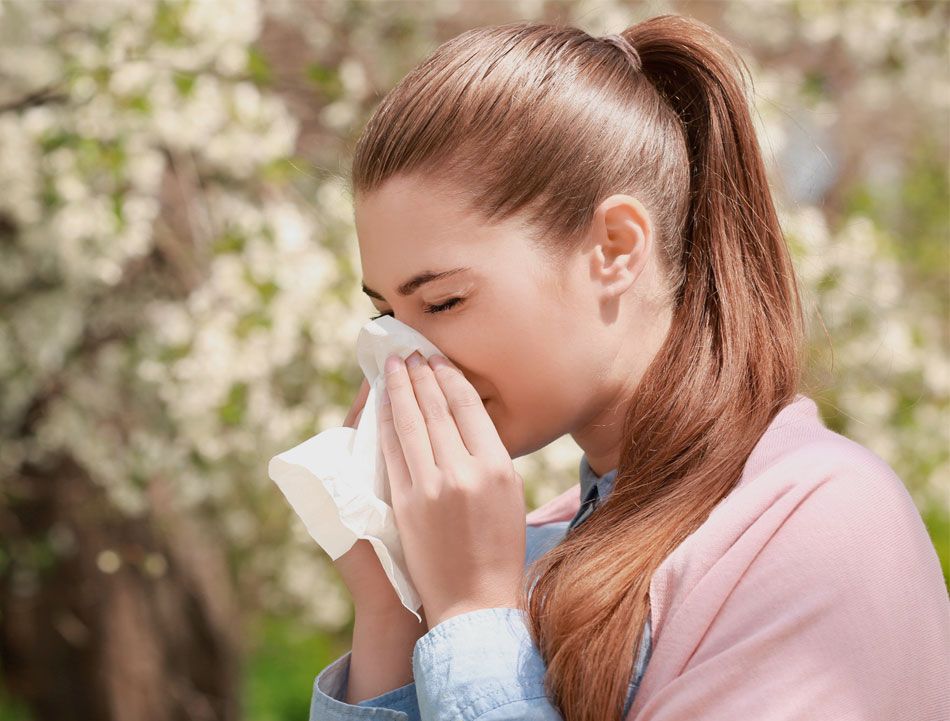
841,614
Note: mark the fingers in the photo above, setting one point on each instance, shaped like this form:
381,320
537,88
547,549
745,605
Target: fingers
362,395
396,468
404,426
435,418
353,415
444,438
475,426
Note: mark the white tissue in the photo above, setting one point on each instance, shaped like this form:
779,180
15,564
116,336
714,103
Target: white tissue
336,481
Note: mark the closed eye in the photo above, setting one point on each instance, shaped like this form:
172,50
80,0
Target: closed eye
450,303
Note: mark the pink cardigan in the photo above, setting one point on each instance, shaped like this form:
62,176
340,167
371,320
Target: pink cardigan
812,592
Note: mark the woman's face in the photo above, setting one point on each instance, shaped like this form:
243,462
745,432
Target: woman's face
549,354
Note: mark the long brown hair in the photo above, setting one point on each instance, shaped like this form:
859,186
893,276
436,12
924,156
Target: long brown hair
547,120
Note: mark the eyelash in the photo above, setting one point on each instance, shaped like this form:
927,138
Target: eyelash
450,303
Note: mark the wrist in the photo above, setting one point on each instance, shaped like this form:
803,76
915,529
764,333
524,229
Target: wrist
437,616
387,612
374,592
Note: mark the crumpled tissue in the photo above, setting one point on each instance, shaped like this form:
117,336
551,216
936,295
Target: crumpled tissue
336,481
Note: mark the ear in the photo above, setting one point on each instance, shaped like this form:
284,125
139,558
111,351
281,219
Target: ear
623,237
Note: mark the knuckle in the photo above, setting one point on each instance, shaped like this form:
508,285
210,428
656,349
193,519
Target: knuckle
449,375
418,372
469,474
432,492
406,426
435,411
467,398
390,446
396,382
458,479
500,472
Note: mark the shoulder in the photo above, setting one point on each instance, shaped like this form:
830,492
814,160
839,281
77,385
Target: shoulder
836,510
851,517
829,525
831,482
821,561
841,496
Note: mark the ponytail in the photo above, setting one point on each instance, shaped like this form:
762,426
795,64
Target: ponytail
731,361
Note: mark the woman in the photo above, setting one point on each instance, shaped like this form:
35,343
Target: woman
584,226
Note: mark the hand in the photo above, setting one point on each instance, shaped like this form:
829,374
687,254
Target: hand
356,410
359,567
458,502
372,593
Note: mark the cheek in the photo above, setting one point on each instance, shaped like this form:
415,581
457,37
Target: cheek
521,370
521,359
530,409
544,388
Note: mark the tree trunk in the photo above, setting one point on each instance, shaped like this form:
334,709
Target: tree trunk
104,617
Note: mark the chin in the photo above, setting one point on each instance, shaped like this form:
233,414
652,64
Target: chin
516,446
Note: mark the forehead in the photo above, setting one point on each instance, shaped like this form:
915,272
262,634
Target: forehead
407,208
407,226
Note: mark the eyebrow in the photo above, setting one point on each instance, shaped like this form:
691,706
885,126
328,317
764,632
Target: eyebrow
413,284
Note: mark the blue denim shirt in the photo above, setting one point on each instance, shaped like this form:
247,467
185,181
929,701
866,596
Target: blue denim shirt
478,665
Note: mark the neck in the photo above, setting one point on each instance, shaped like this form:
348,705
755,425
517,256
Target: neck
601,466
600,433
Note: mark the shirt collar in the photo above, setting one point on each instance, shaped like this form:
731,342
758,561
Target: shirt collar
589,480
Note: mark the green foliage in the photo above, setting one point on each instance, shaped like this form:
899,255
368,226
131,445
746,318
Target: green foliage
184,82
229,242
284,660
326,80
937,520
916,209
232,411
12,710
167,27
258,68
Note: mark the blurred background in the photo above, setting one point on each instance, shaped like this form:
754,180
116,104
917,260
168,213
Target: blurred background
179,284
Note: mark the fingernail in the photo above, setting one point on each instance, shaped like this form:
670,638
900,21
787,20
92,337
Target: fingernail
392,363
415,359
